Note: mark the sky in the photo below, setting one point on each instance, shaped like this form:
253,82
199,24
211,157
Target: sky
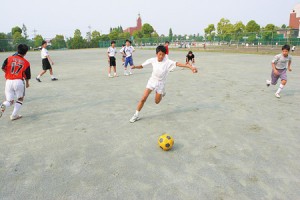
53,17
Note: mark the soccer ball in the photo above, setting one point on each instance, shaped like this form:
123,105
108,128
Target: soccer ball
165,142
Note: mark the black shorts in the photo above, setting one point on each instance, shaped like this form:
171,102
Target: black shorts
112,61
46,64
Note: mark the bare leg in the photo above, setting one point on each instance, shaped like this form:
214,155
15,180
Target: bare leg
158,98
147,92
51,72
42,73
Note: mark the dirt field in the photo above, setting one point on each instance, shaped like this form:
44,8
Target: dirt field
233,138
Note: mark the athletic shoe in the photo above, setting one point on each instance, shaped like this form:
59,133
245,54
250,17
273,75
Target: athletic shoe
12,118
110,76
268,82
2,109
126,74
116,75
130,73
163,94
134,118
54,79
38,79
277,95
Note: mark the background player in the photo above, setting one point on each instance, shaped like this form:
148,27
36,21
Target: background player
161,67
190,58
16,69
280,63
128,50
111,53
46,60
122,51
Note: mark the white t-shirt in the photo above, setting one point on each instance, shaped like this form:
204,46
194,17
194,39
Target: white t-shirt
281,62
112,51
44,53
128,51
160,69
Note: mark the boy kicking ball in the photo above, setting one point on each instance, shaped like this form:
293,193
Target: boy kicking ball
280,63
161,67
16,69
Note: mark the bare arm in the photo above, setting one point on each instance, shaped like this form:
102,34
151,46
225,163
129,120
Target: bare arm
137,67
289,66
194,69
50,60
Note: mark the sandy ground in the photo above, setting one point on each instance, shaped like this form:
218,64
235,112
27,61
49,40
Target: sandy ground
233,138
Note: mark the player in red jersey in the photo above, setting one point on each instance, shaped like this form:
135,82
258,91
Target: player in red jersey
16,69
167,48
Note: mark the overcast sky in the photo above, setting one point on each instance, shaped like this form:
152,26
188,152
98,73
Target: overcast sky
184,17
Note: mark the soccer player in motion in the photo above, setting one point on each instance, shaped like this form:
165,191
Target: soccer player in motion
161,67
111,53
16,69
280,64
46,63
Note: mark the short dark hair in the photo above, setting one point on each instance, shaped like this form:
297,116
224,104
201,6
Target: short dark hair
167,42
161,48
113,42
286,47
22,49
123,45
190,52
44,42
128,41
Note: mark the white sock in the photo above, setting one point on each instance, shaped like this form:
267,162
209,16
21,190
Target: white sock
17,107
6,103
115,73
137,113
52,76
280,88
39,76
125,70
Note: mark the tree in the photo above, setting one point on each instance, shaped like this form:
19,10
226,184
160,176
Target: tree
147,30
239,29
58,42
24,31
225,28
4,44
252,27
269,32
38,40
283,26
124,35
16,29
96,36
18,38
114,34
78,42
210,32
170,34
138,34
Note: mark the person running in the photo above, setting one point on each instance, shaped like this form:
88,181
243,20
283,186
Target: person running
16,69
161,67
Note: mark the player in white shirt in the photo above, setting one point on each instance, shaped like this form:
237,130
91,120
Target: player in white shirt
111,53
46,60
128,50
161,67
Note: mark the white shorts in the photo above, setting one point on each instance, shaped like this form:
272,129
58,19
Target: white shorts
14,89
157,86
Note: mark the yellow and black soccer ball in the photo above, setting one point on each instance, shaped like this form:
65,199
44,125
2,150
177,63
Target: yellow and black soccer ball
166,142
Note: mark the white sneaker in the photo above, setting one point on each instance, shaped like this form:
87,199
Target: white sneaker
130,73
2,109
126,74
268,82
116,75
277,95
134,118
12,118
110,76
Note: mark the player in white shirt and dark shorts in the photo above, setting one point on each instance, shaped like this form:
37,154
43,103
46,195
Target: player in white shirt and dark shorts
111,53
161,67
46,63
